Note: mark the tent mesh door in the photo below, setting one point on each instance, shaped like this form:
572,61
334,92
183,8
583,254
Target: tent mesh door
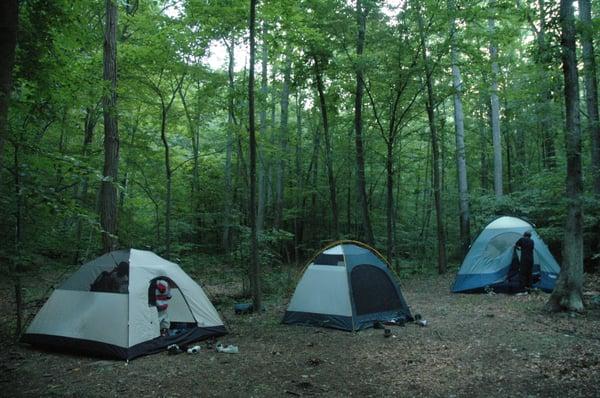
373,291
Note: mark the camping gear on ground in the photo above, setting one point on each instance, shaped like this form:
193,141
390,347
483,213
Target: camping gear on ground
347,286
194,350
492,263
229,349
124,325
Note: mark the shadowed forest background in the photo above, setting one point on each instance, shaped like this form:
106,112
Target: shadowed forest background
408,125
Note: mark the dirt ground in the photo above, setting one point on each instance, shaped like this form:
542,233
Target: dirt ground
474,345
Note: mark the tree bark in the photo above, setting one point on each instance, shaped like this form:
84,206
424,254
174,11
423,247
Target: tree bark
436,166
591,89
328,159
361,16
254,265
283,139
9,23
164,112
567,292
108,189
231,125
262,157
459,130
495,108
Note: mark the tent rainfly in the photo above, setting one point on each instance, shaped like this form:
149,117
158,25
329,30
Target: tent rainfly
347,286
123,325
488,262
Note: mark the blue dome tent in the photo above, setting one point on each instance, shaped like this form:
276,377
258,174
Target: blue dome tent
488,262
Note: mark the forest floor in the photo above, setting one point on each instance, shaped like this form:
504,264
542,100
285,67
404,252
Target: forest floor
474,345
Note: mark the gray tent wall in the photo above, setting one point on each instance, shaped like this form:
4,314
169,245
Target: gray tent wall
122,325
346,286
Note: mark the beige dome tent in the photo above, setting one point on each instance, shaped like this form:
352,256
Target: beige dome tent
123,325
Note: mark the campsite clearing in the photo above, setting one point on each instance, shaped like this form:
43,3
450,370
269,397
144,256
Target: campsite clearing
474,345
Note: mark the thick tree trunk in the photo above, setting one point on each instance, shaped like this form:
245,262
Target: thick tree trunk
361,16
328,160
436,166
459,130
108,189
298,219
495,108
9,22
567,292
254,265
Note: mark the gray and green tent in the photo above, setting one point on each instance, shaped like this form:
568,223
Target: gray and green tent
347,286
123,325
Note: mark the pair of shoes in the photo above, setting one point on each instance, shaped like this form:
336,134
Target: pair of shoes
230,349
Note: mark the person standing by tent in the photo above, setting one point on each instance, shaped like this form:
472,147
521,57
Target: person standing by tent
162,294
525,245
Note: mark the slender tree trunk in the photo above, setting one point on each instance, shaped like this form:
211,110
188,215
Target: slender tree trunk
283,139
483,155
389,201
361,16
299,180
495,108
16,263
328,159
91,118
459,129
591,89
9,21
262,156
436,166
567,292
108,189
545,59
231,125
254,265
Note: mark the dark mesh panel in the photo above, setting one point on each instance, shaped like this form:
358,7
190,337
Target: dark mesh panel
373,291
500,243
329,259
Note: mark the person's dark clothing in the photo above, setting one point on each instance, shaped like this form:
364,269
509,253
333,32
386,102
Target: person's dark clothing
526,245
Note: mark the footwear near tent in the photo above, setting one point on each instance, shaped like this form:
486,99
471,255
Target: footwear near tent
347,286
123,325
488,263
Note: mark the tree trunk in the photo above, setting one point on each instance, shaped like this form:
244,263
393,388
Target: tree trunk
108,189
361,16
91,118
591,89
262,157
283,140
328,160
298,219
436,166
495,108
254,265
231,125
9,21
567,292
545,59
389,201
16,263
459,129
